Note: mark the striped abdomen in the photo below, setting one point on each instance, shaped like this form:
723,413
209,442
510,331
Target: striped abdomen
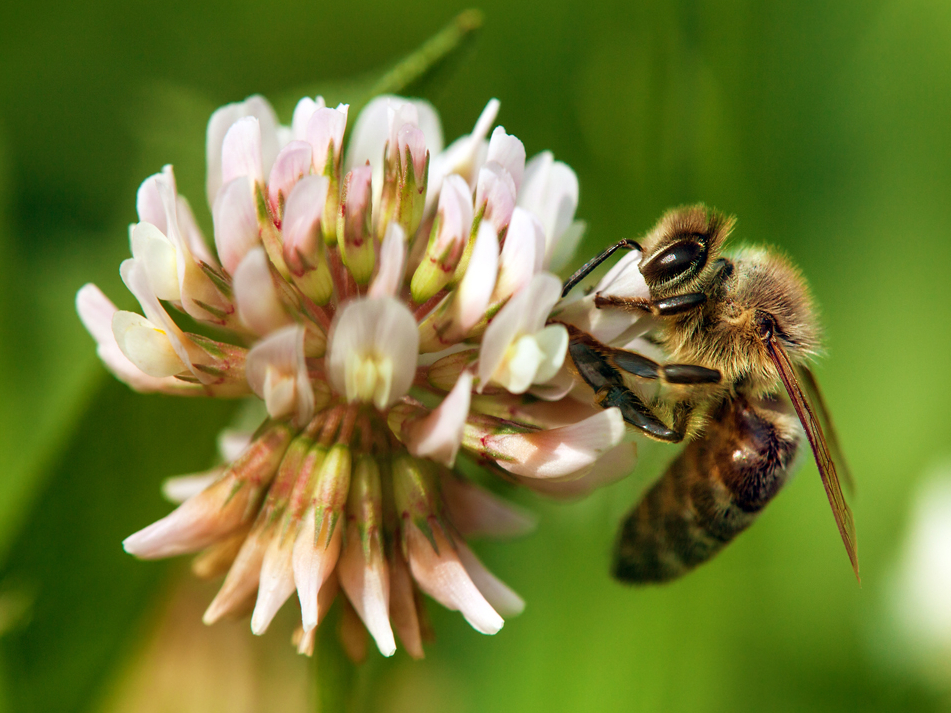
709,494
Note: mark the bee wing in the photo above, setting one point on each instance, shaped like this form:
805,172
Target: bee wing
820,449
808,380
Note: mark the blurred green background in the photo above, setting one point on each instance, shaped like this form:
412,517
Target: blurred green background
823,126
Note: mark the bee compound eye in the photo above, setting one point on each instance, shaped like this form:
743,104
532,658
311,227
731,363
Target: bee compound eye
682,259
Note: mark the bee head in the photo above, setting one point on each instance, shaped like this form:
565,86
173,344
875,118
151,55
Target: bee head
678,254
775,304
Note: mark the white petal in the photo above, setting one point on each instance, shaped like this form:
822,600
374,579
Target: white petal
566,246
241,151
439,435
378,329
302,112
560,451
550,191
443,577
410,138
522,255
291,164
259,304
276,370
389,277
219,124
236,222
624,279
476,287
497,593
617,463
302,215
503,330
145,345
520,366
157,254
509,152
544,291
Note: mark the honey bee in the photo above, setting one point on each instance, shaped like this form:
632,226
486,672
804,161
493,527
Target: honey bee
741,328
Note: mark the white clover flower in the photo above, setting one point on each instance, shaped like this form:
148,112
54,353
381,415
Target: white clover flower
389,306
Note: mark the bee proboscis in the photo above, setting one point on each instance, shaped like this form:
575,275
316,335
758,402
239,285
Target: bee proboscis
740,329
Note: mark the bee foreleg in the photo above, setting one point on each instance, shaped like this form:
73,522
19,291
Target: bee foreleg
681,374
593,264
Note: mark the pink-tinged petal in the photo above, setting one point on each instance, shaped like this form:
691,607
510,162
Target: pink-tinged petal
219,509
403,612
509,152
389,276
180,488
236,222
372,130
259,303
364,576
276,369
439,435
442,576
476,512
617,463
291,165
495,192
276,583
96,312
241,151
148,203
476,287
551,453
455,209
497,593
325,130
303,213
314,559
522,254
219,124
410,138
555,388
302,113
372,350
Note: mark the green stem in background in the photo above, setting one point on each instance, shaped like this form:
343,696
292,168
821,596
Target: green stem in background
434,54
413,74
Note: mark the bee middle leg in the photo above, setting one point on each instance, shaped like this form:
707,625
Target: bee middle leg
665,307
601,368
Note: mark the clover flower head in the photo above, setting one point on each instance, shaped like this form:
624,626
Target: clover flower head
388,305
